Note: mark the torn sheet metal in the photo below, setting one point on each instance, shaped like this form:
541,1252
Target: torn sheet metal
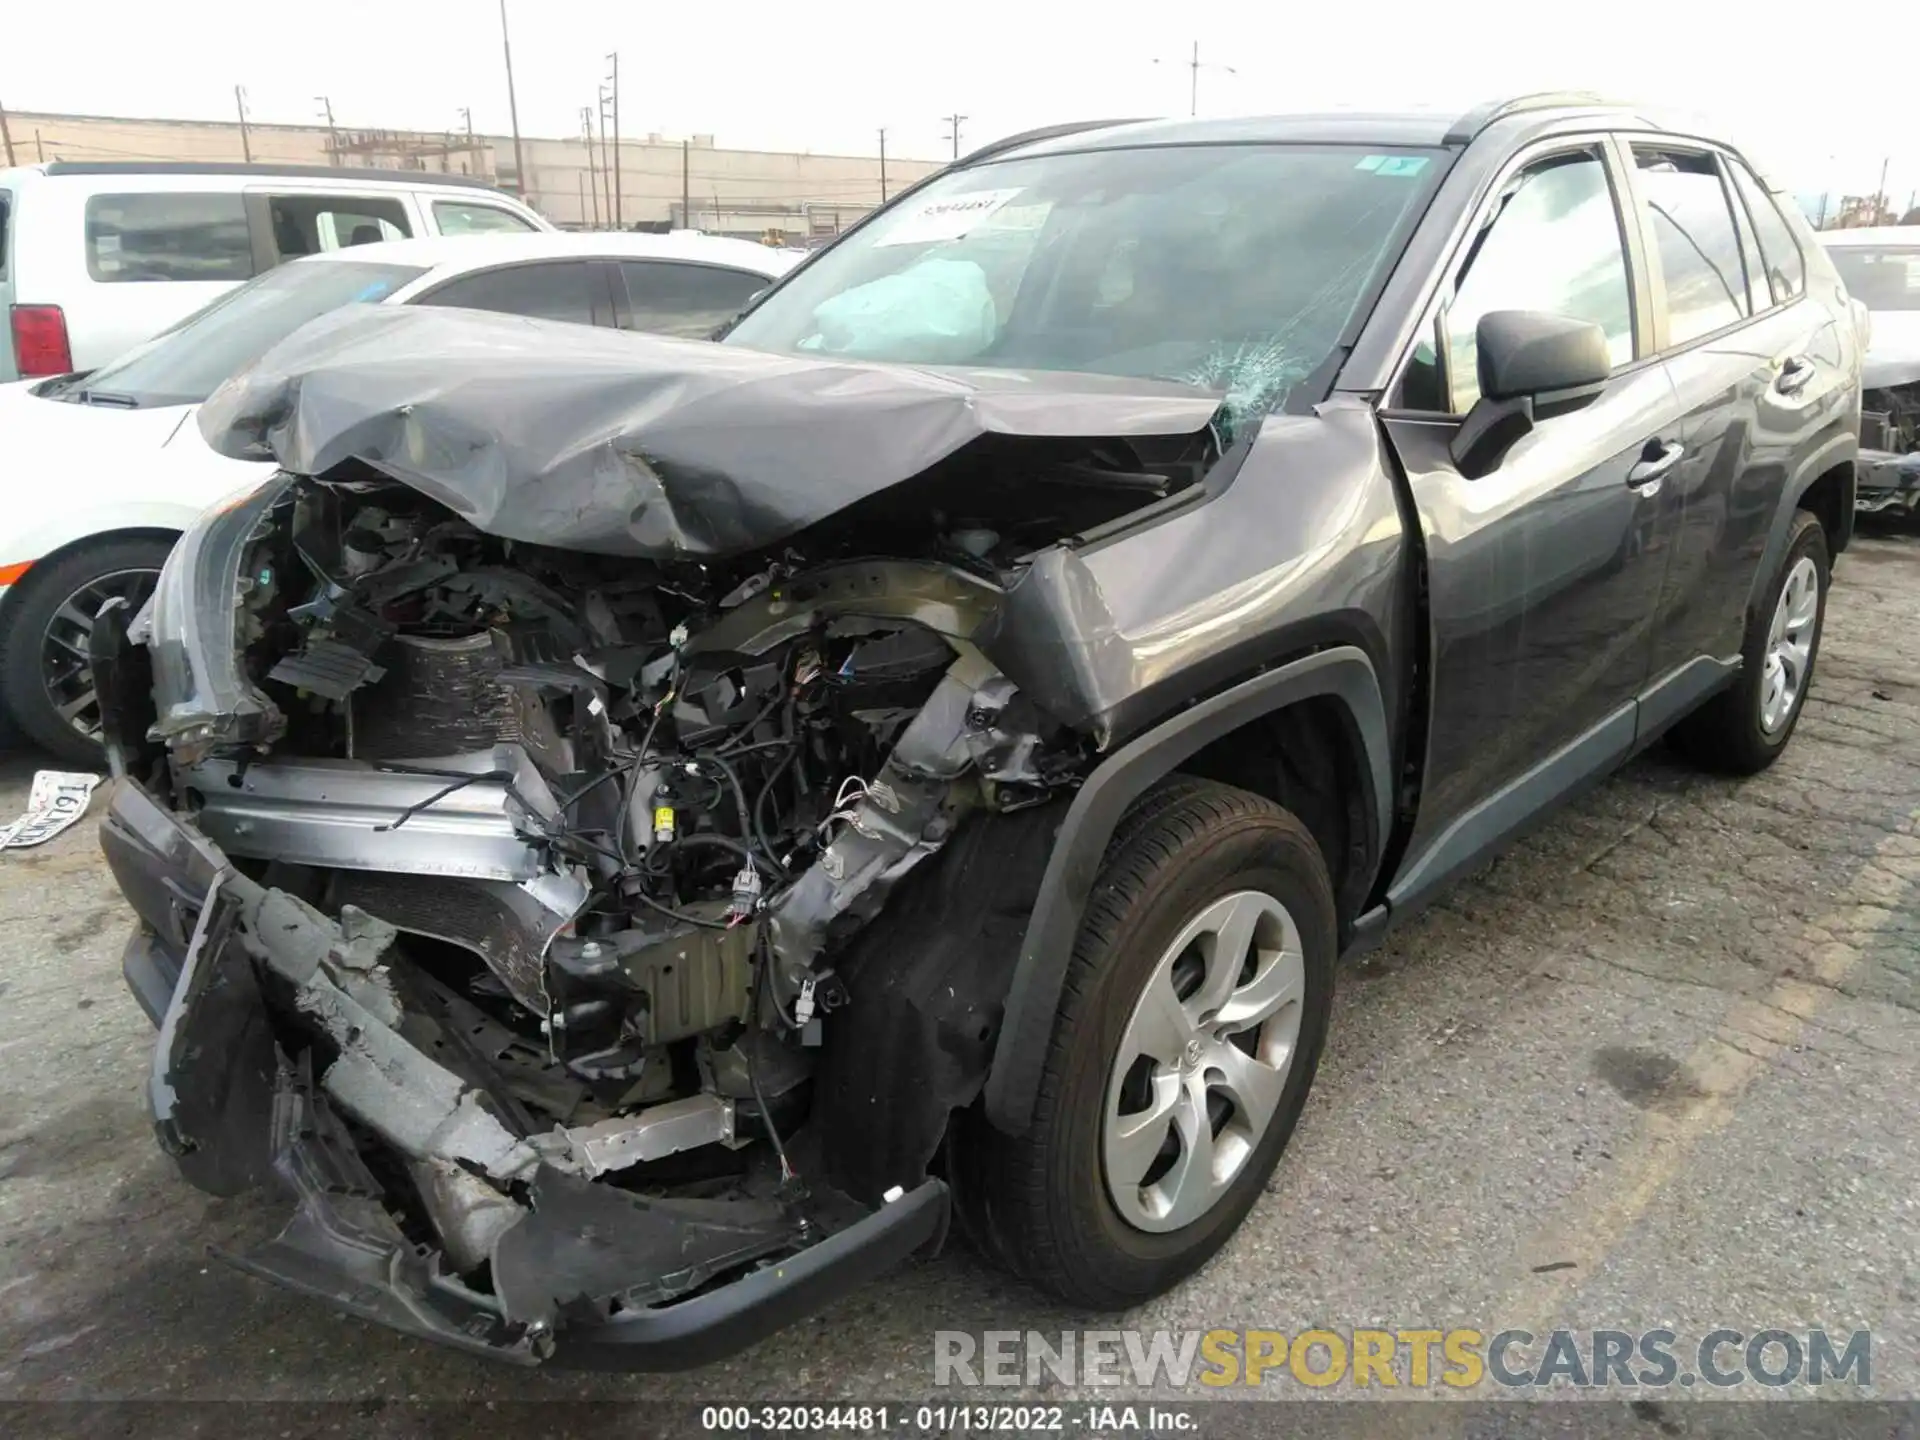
626,444
57,799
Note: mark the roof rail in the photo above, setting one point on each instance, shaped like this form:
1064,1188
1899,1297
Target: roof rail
343,173
1480,117
1045,132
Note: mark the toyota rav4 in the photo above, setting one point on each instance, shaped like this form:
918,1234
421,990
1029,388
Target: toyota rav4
633,835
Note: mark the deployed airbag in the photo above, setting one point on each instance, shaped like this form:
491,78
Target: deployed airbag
625,444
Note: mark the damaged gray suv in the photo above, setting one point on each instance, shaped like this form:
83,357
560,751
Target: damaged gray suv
635,837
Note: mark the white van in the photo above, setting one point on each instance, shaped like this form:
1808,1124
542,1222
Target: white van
98,256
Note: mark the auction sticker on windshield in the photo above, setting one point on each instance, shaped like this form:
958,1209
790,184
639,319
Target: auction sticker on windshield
945,218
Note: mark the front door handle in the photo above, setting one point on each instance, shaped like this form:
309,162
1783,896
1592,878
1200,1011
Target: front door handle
1794,375
1656,460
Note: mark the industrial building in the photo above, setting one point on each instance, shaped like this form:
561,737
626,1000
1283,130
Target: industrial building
573,182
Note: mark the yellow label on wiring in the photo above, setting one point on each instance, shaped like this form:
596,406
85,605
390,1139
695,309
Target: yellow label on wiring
663,819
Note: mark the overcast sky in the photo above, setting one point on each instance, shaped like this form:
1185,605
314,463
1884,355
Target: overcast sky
824,75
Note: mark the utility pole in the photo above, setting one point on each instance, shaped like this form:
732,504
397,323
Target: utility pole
1194,68
333,135
593,175
953,132
686,184
466,120
6,134
883,164
619,206
606,167
513,106
1880,195
246,140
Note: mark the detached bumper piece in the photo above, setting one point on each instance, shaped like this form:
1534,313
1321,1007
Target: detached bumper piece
583,1273
554,1268
1886,482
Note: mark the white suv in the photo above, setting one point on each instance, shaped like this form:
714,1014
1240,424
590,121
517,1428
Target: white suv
98,256
108,466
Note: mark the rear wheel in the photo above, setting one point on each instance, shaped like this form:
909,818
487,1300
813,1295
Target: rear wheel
1743,729
44,672
1195,1006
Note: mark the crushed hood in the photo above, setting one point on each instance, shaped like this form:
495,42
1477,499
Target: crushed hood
627,444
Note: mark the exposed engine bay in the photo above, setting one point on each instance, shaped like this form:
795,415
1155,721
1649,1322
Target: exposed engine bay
1889,465
592,831
518,788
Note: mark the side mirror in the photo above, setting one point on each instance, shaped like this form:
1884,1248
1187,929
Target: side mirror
1533,366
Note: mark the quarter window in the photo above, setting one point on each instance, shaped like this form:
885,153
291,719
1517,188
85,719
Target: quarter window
168,235
1786,269
1693,234
1554,245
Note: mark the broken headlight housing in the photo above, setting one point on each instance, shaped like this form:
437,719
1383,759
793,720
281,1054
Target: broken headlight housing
201,690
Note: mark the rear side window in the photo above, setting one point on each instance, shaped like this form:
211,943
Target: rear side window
461,217
313,224
1786,268
168,235
1699,250
666,297
559,290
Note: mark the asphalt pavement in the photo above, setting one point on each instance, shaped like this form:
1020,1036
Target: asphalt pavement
1659,1065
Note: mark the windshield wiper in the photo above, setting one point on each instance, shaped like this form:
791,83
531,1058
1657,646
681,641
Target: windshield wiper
112,398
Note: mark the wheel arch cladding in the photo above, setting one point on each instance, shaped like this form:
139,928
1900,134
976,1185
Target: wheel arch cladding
1824,486
1342,675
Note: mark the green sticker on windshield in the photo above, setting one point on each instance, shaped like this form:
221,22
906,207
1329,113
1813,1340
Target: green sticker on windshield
1393,164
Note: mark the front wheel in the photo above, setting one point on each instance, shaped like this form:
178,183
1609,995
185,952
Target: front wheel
1190,1026
1743,729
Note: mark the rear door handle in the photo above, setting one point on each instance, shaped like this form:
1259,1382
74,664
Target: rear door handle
1794,375
1655,463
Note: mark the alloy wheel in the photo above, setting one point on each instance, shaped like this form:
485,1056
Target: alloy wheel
1790,644
1200,1069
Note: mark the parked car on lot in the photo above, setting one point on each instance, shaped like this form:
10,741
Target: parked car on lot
109,468
631,835
1881,268
96,256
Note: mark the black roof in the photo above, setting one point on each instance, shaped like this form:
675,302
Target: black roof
223,167
1408,128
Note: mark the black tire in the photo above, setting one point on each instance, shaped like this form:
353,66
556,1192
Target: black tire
1039,1203
23,669
1726,734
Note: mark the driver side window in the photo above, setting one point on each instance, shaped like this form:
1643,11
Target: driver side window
1555,245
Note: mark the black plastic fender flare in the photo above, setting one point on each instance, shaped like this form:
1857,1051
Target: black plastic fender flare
1839,448
1344,673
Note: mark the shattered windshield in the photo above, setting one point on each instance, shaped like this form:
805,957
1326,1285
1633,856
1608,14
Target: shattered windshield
1230,266
1881,279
